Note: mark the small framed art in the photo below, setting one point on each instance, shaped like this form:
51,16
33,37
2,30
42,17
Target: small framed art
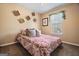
21,20
16,13
33,13
28,17
45,22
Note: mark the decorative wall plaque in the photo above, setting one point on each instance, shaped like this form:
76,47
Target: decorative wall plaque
16,13
28,17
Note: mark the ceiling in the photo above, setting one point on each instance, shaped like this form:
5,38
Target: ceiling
40,7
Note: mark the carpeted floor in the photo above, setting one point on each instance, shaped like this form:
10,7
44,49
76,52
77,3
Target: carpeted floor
18,50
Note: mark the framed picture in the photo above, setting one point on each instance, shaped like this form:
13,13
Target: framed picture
34,20
16,13
45,22
21,20
33,13
28,17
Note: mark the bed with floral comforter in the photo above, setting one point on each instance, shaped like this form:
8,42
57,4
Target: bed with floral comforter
39,46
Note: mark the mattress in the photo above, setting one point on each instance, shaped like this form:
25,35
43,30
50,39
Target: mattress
39,46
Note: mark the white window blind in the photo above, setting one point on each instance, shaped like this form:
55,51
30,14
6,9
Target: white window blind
56,21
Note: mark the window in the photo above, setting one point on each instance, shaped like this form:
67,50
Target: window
56,21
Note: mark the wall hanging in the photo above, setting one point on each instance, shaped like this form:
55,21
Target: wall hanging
45,22
28,17
21,20
34,20
33,13
16,13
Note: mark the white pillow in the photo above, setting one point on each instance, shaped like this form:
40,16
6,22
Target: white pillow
33,32
38,32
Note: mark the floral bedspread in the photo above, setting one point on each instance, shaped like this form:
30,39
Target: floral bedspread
39,46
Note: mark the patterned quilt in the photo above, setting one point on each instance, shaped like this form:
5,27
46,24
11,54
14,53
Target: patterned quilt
39,46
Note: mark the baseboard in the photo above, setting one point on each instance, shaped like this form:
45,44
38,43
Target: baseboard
7,44
71,43
16,42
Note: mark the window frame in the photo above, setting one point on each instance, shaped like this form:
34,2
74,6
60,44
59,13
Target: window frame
52,23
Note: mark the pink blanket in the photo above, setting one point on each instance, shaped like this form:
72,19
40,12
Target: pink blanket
39,46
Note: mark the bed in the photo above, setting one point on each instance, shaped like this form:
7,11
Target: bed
39,46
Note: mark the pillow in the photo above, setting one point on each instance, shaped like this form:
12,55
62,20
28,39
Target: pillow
23,32
38,32
33,32
28,33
